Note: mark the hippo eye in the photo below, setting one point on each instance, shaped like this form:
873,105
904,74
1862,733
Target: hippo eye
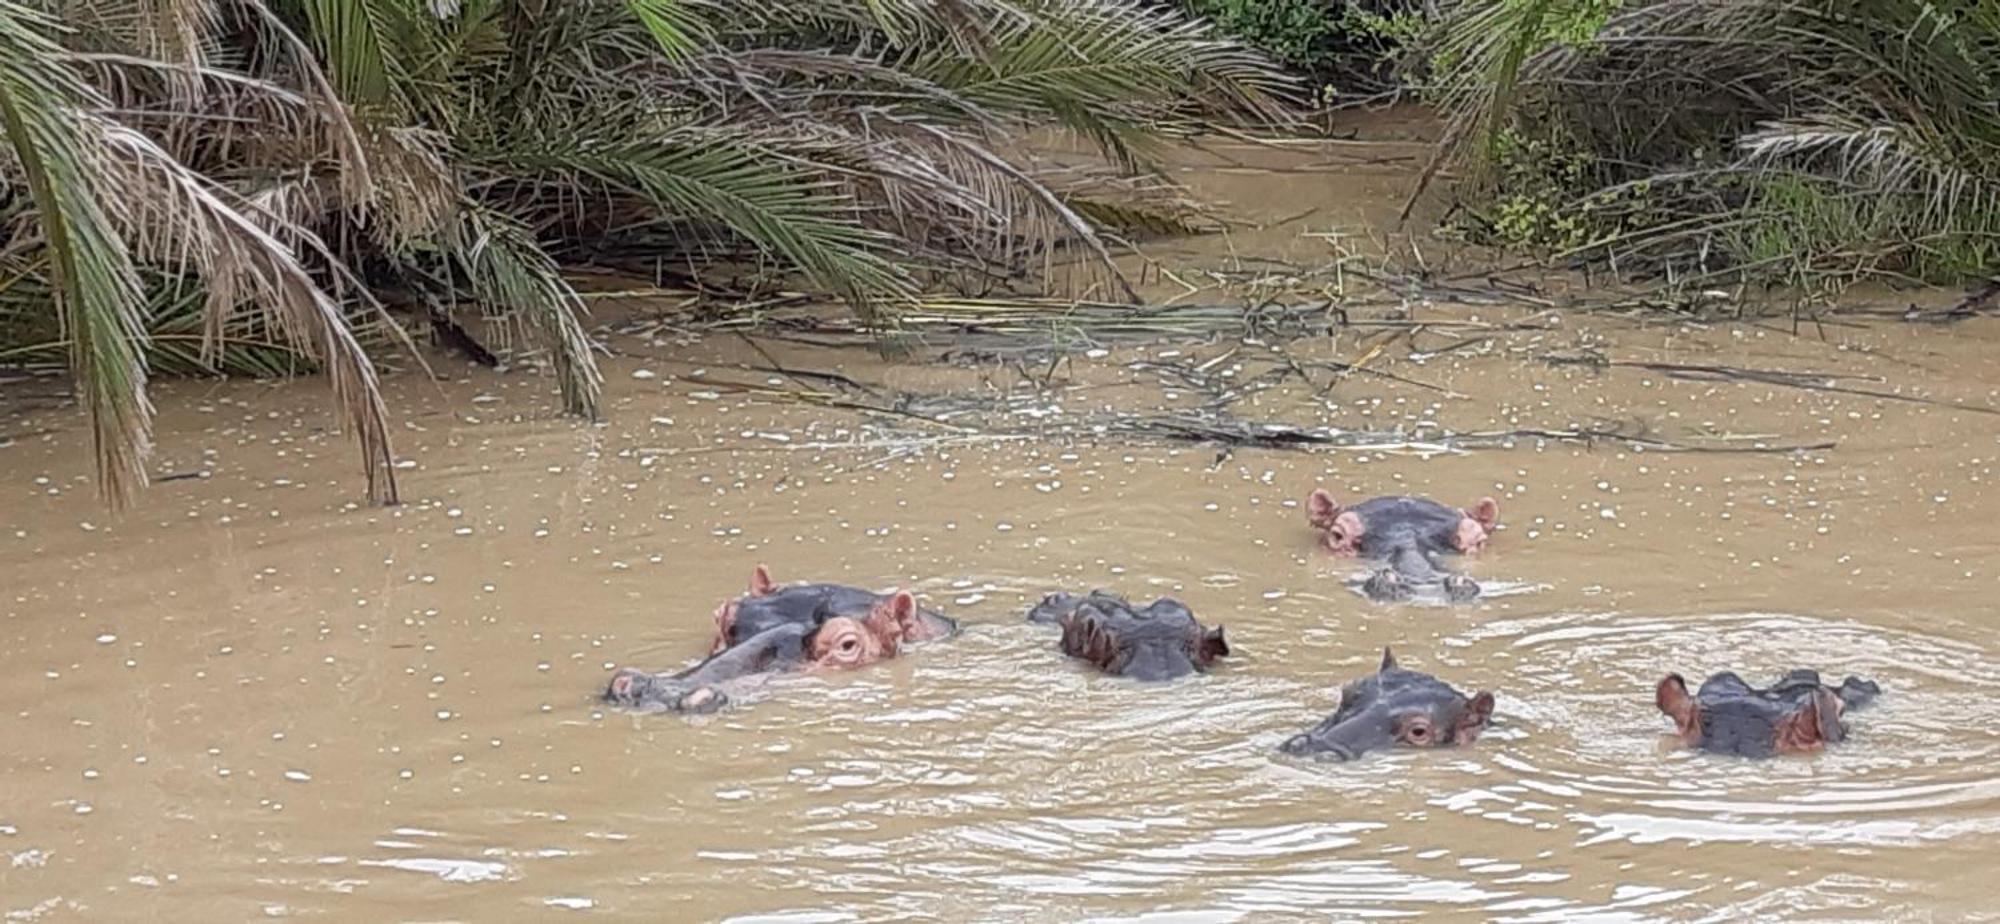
1418,733
849,645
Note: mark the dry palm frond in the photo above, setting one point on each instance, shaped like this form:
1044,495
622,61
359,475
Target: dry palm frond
273,149
108,194
176,218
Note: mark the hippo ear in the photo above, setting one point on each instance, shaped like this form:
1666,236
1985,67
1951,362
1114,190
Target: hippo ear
1855,693
1478,711
725,617
1388,660
1486,513
1321,509
1673,699
898,610
1085,638
1213,645
1816,722
761,584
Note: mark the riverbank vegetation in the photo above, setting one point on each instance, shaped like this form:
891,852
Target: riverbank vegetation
266,186
249,185
1704,143
1731,142
1351,51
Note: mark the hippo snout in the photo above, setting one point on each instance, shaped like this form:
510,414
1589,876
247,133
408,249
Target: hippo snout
628,687
1303,745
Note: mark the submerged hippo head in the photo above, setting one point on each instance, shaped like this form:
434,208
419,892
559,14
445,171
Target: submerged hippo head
1404,533
774,630
1374,527
1394,708
767,605
1160,642
1796,715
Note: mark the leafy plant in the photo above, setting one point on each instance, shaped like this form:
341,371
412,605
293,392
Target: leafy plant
1349,45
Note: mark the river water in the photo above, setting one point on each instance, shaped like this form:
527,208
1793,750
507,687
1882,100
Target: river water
252,697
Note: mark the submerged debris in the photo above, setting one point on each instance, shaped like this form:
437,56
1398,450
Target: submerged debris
999,330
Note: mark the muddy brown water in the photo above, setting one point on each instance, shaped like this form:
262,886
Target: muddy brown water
253,698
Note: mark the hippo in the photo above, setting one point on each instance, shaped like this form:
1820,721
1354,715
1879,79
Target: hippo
1394,707
1795,715
774,630
1162,641
1403,533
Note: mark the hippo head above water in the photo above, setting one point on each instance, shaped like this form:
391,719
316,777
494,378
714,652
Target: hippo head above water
1403,533
773,630
855,626
1394,707
1796,715
1159,642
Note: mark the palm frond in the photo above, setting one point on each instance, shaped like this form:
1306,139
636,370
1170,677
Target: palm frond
1881,158
509,271
269,150
1110,69
175,217
709,177
96,285
177,339
360,42
680,31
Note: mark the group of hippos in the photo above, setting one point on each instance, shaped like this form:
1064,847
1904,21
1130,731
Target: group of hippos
776,629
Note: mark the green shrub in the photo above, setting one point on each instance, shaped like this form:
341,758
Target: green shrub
1778,141
1357,46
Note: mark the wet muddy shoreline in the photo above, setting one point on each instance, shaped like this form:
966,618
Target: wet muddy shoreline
253,696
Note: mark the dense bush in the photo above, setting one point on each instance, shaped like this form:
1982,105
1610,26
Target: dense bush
1806,142
1348,46
244,183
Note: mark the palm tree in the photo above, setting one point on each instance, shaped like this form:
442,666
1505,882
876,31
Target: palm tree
107,197
454,155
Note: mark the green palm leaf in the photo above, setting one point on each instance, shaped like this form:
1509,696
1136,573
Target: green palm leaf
96,285
510,272
784,210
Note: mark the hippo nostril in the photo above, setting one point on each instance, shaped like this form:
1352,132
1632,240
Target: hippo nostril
625,686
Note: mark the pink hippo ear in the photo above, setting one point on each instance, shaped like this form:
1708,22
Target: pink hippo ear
1476,525
1486,513
1673,699
896,618
1321,509
1478,712
1810,727
761,584
725,617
